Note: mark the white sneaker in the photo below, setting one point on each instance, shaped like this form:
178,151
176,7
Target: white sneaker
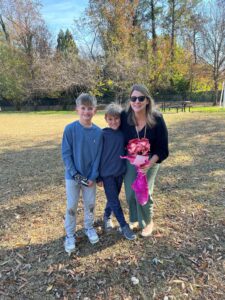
69,244
92,235
108,224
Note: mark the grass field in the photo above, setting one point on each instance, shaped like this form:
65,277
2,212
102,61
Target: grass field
184,258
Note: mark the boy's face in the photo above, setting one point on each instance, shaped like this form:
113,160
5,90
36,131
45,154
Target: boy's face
113,121
86,113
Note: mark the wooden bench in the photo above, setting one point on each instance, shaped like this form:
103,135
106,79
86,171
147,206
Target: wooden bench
182,105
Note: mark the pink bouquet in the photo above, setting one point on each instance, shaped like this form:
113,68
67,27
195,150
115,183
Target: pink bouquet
138,151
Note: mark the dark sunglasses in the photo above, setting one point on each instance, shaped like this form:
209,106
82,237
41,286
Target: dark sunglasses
140,98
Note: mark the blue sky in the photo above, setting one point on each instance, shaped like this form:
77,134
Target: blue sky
59,14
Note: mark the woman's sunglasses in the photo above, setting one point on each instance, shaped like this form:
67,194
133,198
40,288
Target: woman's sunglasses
140,98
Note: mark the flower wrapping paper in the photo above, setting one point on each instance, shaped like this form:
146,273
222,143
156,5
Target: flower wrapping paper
138,151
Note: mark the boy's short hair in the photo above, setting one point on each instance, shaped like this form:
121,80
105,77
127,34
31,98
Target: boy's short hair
113,109
86,99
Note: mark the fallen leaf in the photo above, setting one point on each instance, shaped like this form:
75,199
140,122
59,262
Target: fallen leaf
135,280
49,288
217,238
21,245
21,256
177,281
23,285
4,263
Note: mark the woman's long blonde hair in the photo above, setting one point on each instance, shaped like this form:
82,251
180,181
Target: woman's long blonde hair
150,107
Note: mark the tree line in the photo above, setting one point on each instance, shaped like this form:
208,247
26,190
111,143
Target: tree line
174,47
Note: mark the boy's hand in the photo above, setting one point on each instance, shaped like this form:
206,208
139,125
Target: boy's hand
81,179
90,183
100,184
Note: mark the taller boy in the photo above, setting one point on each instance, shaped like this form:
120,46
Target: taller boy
81,151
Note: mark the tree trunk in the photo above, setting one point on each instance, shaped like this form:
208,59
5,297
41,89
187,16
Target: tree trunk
4,29
194,46
216,93
154,36
172,30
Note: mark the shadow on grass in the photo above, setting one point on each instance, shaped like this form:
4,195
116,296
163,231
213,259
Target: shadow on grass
28,171
196,165
46,271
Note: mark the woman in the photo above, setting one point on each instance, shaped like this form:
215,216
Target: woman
141,120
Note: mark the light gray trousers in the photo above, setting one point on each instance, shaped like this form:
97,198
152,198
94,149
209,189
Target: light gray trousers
73,195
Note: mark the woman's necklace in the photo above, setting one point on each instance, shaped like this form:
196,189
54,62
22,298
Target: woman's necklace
138,132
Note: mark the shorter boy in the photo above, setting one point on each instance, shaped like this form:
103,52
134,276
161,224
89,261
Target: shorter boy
81,151
112,169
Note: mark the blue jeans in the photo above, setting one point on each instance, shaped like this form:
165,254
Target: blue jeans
112,186
73,194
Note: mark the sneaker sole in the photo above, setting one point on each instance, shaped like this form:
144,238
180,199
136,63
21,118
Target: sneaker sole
94,242
146,234
70,250
120,231
132,239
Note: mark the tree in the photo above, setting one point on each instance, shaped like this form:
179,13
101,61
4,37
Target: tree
212,47
191,33
27,33
115,33
2,23
148,14
175,18
14,75
25,26
65,43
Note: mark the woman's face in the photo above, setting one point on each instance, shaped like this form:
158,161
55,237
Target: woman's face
138,102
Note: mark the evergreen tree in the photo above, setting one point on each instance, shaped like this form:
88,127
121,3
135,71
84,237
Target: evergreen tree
60,41
66,43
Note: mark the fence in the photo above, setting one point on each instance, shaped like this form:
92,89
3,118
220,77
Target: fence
199,97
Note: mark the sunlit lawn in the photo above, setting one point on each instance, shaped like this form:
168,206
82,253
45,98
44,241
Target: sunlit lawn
184,259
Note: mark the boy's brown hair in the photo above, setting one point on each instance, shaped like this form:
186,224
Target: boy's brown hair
113,109
86,99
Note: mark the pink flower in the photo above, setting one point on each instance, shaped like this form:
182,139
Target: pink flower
138,146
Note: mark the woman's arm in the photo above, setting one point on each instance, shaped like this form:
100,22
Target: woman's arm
161,148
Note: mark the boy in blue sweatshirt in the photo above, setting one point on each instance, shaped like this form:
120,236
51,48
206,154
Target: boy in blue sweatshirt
112,169
81,151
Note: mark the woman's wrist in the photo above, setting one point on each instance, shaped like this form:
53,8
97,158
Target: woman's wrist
153,160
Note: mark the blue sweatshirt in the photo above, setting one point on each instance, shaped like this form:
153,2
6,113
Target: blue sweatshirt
113,146
81,150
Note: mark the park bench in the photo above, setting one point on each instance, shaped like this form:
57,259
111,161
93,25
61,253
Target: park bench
182,105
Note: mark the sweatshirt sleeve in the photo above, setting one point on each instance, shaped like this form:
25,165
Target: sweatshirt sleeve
95,167
67,151
162,148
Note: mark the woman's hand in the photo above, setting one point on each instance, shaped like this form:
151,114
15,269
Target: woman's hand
149,164
100,184
145,167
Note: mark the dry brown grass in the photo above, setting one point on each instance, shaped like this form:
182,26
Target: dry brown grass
184,259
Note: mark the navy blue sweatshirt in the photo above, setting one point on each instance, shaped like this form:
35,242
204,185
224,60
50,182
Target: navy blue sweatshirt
113,147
